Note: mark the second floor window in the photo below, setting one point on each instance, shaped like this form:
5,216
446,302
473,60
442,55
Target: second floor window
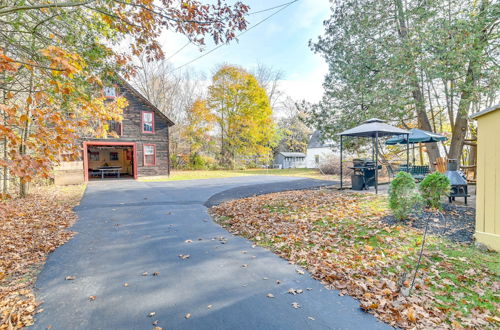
115,126
110,92
148,122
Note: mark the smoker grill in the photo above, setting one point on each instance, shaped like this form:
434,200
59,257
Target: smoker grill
457,181
363,175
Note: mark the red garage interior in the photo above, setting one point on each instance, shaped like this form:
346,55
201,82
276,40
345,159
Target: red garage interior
104,160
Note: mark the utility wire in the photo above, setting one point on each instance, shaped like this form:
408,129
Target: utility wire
178,51
249,14
271,8
283,7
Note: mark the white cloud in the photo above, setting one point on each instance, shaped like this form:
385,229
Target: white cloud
308,87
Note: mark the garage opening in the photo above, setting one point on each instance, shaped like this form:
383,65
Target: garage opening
109,160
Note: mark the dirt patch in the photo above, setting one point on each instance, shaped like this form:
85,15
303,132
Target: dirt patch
454,222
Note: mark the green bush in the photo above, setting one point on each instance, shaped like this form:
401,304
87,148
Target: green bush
403,195
196,162
433,187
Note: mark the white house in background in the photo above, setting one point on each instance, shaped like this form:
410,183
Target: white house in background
318,151
290,160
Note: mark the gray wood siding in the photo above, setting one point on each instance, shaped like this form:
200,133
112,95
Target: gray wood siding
132,130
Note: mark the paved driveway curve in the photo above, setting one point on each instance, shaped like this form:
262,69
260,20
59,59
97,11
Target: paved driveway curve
126,228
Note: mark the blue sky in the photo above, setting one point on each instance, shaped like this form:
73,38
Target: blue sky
281,42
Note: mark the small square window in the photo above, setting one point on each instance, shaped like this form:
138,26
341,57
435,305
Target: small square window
94,156
115,127
110,92
113,155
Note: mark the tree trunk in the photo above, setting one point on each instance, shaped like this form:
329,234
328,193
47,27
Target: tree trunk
418,96
23,148
466,93
459,129
5,170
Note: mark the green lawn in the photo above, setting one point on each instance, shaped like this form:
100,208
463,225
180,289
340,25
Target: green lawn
196,175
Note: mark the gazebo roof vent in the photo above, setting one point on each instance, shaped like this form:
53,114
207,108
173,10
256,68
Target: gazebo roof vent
374,120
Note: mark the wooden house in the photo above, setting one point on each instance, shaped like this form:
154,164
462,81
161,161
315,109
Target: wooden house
141,148
488,177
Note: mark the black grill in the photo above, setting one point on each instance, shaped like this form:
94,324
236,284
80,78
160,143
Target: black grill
457,181
363,175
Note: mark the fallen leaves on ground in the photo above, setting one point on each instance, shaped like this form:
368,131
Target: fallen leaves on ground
339,238
31,228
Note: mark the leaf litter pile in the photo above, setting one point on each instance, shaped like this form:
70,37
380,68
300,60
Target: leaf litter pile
30,229
341,239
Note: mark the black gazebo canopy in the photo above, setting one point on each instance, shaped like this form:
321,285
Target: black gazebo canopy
373,128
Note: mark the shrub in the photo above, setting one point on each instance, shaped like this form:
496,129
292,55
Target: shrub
196,162
403,195
331,166
433,187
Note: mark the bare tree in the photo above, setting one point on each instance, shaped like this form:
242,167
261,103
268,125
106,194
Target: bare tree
269,78
172,92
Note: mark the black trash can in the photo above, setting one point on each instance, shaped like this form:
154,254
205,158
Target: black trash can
358,181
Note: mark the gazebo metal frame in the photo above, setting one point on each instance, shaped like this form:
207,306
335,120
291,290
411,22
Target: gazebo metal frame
373,128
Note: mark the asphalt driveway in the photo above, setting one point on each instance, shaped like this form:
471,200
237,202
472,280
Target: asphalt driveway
126,228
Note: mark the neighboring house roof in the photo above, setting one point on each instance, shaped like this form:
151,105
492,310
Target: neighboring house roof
137,94
485,111
293,154
316,141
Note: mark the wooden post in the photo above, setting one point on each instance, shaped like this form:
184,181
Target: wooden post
341,172
421,153
408,152
376,162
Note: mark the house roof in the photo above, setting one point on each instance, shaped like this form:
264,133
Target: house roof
136,93
373,127
293,154
316,141
485,111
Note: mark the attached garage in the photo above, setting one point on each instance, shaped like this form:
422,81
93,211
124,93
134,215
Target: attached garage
109,159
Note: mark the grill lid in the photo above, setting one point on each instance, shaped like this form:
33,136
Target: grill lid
456,178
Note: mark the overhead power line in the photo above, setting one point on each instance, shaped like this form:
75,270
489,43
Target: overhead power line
282,7
271,8
249,14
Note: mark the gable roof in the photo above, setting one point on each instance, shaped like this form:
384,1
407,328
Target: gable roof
316,141
293,154
485,111
137,94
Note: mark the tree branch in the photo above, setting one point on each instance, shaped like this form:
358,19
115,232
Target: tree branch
9,10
